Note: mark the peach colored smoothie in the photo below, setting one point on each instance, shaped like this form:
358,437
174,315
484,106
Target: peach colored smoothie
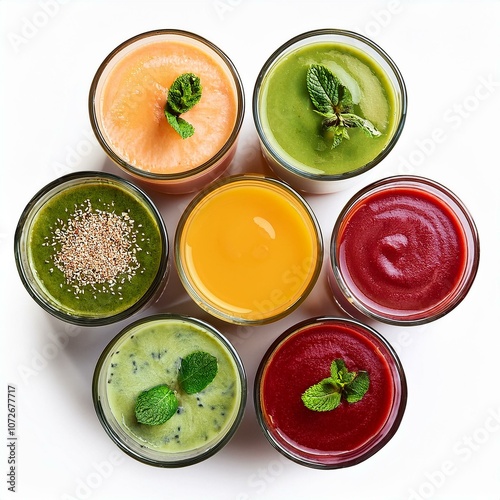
152,87
133,102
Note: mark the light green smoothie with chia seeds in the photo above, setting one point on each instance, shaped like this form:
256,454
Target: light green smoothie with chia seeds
150,355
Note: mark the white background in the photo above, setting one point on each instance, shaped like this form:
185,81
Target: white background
448,445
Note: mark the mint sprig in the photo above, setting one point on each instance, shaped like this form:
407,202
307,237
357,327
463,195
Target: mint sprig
183,94
327,394
197,370
333,101
156,405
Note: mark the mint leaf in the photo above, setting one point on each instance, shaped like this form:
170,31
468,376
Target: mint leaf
352,120
344,376
336,133
323,88
324,396
197,370
355,391
156,405
183,94
327,394
345,97
335,367
181,126
333,101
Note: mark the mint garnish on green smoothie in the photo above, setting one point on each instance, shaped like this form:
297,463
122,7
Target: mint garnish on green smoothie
327,394
158,404
197,370
333,101
183,94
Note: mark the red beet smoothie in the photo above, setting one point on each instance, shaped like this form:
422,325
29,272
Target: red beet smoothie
402,250
303,359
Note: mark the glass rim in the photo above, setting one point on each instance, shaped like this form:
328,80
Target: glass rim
37,202
104,421
472,243
193,290
394,418
276,55
174,176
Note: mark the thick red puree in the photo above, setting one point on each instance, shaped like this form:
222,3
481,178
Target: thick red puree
302,360
402,250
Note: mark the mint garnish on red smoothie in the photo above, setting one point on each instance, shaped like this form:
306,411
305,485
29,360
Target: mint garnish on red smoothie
157,405
333,101
327,394
183,94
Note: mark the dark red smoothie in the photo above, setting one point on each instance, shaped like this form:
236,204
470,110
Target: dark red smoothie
301,359
403,251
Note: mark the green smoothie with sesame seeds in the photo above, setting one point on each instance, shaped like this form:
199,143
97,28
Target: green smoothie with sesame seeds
293,127
94,248
150,354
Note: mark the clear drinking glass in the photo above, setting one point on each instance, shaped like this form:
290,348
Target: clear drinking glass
151,349
343,436
148,95
248,249
404,250
86,289
314,172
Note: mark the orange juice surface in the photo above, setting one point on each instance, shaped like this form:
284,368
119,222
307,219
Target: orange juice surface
133,102
250,250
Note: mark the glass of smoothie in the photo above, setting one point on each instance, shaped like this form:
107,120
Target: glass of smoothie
92,248
404,250
128,105
332,436
149,353
328,105
248,249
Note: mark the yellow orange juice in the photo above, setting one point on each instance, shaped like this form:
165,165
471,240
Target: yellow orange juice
249,249
127,104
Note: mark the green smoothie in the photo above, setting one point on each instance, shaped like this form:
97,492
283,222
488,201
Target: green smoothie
293,127
95,249
150,355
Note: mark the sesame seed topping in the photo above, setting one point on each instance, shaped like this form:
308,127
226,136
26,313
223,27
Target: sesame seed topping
95,247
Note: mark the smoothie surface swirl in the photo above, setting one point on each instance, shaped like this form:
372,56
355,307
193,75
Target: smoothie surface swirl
403,250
